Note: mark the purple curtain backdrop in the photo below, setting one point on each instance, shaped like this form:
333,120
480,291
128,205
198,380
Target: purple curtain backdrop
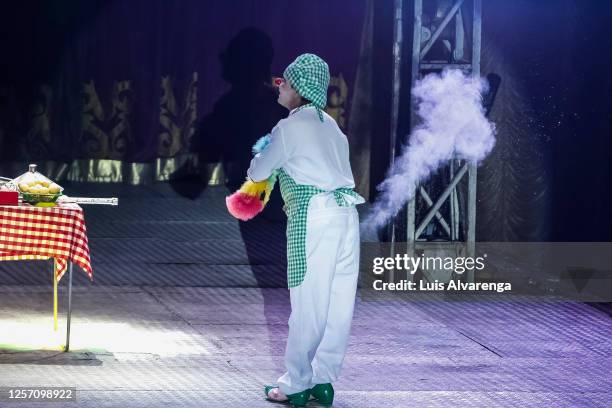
101,64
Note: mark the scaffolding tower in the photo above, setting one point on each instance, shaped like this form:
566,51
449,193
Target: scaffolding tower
446,34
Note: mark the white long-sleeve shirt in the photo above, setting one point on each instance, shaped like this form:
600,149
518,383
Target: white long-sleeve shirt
310,151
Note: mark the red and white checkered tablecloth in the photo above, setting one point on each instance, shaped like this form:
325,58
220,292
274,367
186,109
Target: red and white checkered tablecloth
59,232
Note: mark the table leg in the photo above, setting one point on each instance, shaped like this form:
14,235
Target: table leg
54,295
67,348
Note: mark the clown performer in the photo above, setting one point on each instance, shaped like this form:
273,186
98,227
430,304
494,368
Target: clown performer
309,154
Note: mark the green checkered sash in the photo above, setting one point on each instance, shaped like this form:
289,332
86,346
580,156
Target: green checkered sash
297,197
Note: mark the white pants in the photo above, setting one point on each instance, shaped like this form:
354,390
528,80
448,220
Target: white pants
322,305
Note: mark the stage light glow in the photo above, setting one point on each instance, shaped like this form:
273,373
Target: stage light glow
100,337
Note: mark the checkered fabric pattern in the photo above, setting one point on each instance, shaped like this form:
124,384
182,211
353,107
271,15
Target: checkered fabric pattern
59,232
297,197
309,76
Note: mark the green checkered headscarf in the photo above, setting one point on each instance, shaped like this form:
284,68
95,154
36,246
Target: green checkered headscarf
309,76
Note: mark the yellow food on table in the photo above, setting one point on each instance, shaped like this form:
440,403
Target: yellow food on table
54,188
39,187
40,190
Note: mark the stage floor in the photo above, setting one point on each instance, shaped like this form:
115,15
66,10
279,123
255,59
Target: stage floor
216,347
190,309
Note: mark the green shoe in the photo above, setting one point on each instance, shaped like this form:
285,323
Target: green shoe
299,399
267,389
323,393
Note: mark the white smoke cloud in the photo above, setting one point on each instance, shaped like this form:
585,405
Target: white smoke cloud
452,125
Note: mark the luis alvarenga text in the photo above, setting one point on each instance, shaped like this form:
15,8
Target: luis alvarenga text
412,264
